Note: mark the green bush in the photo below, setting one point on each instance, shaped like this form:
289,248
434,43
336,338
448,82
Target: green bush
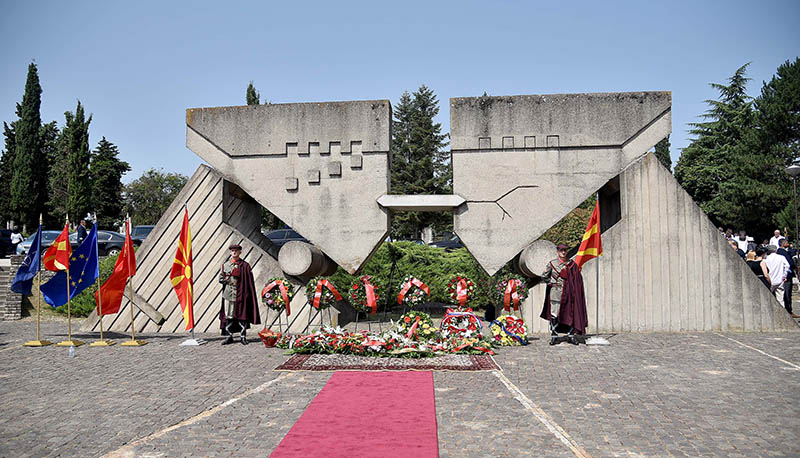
83,304
434,266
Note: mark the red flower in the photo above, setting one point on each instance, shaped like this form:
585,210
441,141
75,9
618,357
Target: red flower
355,286
407,319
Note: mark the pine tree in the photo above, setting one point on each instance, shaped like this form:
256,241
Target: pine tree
662,153
253,97
420,165
106,173
707,166
7,171
28,185
76,142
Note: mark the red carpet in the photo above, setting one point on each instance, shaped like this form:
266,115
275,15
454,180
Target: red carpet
359,414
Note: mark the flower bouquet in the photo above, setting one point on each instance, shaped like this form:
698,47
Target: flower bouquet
461,289
412,292
321,293
461,323
511,291
268,337
416,325
277,294
508,330
364,295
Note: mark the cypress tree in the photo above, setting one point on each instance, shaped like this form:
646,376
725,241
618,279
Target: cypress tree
253,97
7,170
106,173
28,185
76,144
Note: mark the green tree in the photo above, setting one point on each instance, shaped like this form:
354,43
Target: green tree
420,164
708,165
148,197
28,185
662,153
106,172
7,170
79,183
253,97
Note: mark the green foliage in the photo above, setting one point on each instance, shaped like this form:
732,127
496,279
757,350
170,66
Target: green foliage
28,184
76,144
434,266
83,304
149,196
7,170
106,173
253,97
420,165
662,153
570,229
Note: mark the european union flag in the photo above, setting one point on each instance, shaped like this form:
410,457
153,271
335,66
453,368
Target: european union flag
83,271
23,280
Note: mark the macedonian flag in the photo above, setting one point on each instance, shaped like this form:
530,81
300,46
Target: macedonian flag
181,274
57,256
591,246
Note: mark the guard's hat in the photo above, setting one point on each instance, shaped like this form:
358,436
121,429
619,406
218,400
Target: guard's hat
235,247
561,246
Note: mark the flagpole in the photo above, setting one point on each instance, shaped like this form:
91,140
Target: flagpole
133,342
191,342
69,342
38,342
102,342
596,339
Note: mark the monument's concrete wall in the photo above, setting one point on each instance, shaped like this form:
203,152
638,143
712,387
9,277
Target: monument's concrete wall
319,167
523,162
665,267
220,214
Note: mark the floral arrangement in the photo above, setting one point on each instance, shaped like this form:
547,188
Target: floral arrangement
269,337
416,324
412,292
391,343
461,323
508,330
461,289
513,295
360,295
321,293
277,294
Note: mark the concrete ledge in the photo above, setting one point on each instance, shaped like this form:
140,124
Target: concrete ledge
421,203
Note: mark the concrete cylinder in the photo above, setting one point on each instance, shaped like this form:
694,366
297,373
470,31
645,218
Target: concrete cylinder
303,260
534,258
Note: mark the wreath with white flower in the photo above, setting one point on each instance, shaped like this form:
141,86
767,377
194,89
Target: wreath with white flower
461,323
416,325
412,292
508,330
328,293
461,289
277,293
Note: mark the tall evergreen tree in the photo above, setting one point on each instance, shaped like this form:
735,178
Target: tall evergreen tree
662,153
76,144
707,166
420,164
253,97
7,171
28,185
106,172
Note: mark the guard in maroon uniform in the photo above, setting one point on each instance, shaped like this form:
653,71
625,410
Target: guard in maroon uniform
239,301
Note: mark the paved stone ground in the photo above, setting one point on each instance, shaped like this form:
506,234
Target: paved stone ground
646,394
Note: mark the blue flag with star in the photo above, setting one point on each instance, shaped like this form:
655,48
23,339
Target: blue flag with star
23,280
83,271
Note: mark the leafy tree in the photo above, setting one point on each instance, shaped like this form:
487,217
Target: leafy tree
707,166
28,184
420,164
76,142
662,153
106,172
253,97
148,197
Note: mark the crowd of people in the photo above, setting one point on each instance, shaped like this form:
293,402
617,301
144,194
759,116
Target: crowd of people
773,261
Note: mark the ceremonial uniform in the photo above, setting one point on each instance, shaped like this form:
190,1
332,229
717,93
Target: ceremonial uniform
555,280
564,302
239,304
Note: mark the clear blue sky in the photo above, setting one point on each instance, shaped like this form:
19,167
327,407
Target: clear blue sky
136,66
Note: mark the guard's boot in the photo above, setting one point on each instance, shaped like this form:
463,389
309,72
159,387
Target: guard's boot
571,337
553,333
229,338
243,335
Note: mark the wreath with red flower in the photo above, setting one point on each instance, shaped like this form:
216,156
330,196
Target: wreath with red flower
461,323
519,287
359,298
274,297
412,292
508,330
461,289
328,293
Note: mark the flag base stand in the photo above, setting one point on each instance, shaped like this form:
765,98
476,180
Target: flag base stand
597,340
133,343
69,343
192,342
37,343
102,343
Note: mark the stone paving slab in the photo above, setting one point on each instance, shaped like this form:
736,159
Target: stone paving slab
645,394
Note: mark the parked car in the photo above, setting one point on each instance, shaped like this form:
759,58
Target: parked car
108,243
450,244
280,236
47,239
141,232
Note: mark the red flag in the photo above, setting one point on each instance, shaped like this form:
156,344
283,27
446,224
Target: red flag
591,246
57,256
181,274
113,288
